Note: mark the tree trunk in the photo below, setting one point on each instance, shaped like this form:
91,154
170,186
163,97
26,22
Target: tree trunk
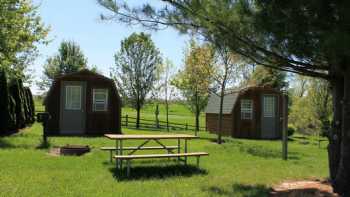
167,114
197,121
222,94
334,136
138,109
342,180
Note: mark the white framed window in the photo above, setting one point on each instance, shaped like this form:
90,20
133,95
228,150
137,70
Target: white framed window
246,109
100,99
269,106
73,97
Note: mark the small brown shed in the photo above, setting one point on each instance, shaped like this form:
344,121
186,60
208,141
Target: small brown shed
251,112
83,103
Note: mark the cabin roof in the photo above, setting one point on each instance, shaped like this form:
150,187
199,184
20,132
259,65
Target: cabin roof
230,99
213,105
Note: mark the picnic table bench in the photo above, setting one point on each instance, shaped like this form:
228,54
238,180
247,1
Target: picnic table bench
119,157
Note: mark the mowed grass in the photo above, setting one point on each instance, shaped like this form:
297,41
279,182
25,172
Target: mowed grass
236,168
178,113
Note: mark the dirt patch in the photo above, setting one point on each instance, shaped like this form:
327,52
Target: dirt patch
305,188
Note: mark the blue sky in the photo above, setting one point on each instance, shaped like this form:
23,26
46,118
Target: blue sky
78,20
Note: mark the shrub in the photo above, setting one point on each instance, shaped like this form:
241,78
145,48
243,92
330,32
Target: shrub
290,131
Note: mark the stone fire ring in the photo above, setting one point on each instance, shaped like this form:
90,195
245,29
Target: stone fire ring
74,150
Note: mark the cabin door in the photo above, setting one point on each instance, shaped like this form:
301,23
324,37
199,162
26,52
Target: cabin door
72,108
269,117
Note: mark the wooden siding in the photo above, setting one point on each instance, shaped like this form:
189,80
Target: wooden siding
212,123
96,122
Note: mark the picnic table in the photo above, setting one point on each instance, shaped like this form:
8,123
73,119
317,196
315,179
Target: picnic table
172,151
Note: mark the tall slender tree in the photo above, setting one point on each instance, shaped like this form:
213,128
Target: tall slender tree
194,80
136,70
225,72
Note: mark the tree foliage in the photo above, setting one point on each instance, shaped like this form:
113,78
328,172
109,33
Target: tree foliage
268,77
70,58
137,69
194,80
21,29
311,112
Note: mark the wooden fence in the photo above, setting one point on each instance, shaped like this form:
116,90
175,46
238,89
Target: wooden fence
128,121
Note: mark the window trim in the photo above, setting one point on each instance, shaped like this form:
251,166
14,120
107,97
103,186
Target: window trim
246,110
69,107
94,100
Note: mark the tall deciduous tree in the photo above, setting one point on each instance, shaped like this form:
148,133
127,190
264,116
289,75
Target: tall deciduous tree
305,37
168,89
136,70
21,29
70,58
194,80
225,71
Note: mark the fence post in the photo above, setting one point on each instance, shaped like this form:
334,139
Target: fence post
126,120
186,126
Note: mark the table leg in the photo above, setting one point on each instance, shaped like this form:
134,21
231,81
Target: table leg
121,153
117,152
178,148
185,151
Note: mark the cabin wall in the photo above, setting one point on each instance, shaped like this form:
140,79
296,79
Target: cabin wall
252,128
96,122
52,106
212,123
247,128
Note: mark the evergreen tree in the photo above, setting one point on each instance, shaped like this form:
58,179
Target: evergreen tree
4,103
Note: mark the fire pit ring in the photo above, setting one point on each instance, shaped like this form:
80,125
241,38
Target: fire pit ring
74,150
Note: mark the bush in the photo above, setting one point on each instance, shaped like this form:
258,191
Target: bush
290,131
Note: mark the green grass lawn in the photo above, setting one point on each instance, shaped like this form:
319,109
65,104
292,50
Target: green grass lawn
236,168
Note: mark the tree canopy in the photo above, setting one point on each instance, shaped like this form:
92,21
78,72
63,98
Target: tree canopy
21,29
273,78
137,69
194,80
70,58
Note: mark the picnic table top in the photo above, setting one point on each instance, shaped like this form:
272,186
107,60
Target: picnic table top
149,136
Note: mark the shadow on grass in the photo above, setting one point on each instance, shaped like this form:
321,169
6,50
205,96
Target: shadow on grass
261,151
5,144
43,145
240,190
157,172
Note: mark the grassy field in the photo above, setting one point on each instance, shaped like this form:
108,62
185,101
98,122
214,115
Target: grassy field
236,168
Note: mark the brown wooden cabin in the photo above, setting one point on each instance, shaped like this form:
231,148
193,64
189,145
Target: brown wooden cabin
83,103
252,112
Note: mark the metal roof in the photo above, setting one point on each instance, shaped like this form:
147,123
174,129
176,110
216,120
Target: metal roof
213,105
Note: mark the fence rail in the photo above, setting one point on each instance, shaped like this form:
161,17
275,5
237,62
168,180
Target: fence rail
128,121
